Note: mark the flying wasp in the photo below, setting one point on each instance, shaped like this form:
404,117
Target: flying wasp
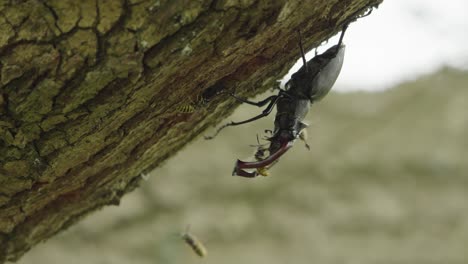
194,243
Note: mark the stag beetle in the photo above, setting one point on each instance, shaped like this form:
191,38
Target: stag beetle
308,85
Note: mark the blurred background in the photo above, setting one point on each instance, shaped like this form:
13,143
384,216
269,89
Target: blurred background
385,180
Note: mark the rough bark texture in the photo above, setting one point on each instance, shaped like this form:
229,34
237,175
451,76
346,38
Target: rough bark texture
92,91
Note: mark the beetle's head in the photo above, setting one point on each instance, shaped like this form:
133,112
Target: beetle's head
286,135
279,139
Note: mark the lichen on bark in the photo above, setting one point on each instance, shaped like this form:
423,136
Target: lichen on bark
90,92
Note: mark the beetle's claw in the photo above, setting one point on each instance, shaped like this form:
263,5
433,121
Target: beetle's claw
240,172
236,167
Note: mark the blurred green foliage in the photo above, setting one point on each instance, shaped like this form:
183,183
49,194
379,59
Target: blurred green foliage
385,182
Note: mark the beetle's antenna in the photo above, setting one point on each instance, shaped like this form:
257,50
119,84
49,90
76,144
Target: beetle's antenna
302,51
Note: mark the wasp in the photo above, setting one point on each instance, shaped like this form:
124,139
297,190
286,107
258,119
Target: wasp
192,106
200,101
194,243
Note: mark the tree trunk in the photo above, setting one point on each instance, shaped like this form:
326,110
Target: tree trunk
96,93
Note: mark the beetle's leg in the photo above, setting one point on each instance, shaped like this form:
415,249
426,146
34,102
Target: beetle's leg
342,35
303,137
366,14
355,16
265,112
259,104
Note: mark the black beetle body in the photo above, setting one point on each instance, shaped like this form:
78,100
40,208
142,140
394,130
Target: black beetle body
304,88
308,85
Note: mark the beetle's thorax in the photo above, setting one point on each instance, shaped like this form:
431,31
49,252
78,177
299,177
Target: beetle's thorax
291,110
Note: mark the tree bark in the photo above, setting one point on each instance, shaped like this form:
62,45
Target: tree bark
96,93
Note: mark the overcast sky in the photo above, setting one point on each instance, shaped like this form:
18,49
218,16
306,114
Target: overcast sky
402,40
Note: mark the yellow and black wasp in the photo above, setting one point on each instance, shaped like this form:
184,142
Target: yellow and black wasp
196,245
